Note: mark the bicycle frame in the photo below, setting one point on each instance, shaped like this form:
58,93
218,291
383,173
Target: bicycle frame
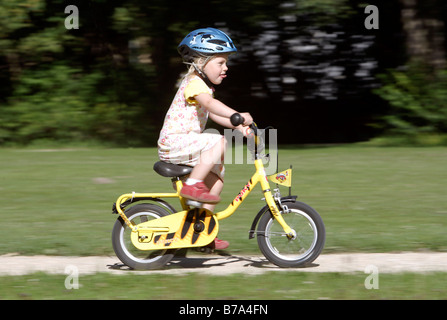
258,177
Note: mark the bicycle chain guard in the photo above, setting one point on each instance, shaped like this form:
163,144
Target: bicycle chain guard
197,227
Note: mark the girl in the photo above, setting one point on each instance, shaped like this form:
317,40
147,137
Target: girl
182,140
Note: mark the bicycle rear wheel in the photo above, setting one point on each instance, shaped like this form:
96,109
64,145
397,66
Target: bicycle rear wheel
302,249
126,251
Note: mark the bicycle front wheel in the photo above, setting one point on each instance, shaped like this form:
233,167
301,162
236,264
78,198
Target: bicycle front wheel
299,250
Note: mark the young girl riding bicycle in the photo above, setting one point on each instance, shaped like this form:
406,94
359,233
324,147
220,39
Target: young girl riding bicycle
182,140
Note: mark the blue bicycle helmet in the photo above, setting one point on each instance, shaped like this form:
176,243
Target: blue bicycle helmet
205,41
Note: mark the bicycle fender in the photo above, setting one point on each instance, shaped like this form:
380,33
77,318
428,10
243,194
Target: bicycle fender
251,233
160,202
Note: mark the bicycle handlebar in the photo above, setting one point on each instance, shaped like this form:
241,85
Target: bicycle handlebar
236,119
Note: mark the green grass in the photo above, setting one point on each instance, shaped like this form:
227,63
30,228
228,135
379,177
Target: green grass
270,286
371,199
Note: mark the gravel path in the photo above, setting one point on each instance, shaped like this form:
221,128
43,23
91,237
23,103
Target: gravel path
11,264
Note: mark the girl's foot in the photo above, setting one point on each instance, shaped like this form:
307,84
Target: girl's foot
220,244
198,192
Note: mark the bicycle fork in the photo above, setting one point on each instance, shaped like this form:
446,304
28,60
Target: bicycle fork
259,176
270,200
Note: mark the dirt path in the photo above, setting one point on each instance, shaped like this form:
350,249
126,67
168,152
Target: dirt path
11,264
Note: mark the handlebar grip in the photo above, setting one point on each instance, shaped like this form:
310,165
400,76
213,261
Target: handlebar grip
236,119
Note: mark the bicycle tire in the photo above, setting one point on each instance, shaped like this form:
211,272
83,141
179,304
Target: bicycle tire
299,251
123,247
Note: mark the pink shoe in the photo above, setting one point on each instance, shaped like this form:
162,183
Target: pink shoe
198,192
220,244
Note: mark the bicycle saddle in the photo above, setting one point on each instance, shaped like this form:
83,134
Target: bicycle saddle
171,170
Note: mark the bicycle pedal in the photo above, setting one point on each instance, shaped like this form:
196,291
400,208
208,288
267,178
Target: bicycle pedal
193,203
207,249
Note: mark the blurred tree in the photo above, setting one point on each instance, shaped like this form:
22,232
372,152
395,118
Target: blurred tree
67,85
417,90
418,99
113,79
424,29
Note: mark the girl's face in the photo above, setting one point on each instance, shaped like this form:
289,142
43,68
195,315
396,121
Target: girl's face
216,69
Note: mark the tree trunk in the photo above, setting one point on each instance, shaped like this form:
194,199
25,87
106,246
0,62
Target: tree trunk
424,31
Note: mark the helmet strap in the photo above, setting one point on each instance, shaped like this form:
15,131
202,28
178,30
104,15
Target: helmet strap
203,75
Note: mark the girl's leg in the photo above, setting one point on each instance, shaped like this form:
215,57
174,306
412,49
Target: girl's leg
215,185
208,159
195,187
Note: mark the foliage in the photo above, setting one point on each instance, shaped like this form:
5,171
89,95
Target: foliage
417,97
63,103
64,85
112,79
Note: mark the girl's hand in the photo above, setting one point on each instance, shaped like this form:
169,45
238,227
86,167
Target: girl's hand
246,131
248,120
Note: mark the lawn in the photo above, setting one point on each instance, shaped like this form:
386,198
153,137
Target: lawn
270,286
58,201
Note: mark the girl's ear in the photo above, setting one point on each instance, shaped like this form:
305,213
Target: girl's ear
201,62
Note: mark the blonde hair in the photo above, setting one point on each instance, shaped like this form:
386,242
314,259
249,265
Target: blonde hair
198,62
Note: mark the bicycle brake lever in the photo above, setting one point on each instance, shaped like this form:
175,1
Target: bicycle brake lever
254,127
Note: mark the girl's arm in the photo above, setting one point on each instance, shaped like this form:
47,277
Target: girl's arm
223,121
227,123
220,112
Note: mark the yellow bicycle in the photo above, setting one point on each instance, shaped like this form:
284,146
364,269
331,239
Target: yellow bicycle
147,234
